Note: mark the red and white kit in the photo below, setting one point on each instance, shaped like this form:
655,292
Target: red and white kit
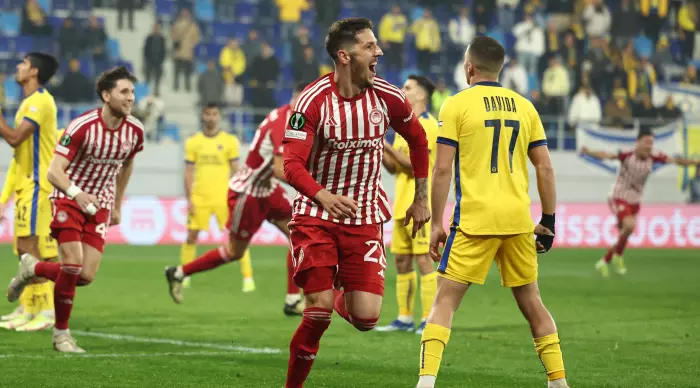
629,187
336,143
255,195
96,154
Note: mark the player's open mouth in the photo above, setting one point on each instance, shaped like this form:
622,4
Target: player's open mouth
373,68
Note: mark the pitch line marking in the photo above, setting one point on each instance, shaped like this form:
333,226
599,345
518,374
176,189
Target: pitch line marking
117,355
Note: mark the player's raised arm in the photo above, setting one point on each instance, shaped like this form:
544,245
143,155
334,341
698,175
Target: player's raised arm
681,161
604,155
538,152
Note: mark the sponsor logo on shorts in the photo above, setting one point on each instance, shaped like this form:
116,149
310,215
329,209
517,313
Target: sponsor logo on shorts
292,134
362,143
61,216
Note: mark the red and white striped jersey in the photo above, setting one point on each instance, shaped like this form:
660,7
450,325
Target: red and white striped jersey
633,175
344,140
255,178
96,153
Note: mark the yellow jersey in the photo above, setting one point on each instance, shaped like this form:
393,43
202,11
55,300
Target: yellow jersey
34,154
211,157
493,128
405,183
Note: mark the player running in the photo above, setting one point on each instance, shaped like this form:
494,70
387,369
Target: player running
635,167
487,132
255,195
333,149
90,171
418,90
33,138
211,158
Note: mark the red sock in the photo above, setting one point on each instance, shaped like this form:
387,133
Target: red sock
304,345
207,261
48,270
64,292
291,287
621,244
339,305
609,254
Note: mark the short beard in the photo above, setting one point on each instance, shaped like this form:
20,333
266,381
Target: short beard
115,112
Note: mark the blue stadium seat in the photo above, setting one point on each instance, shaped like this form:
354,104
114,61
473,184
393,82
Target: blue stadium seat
46,5
283,95
346,11
12,91
200,67
141,90
533,82
55,22
171,131
122,62
23,45
62,5
416,13
113,48
498,35
204,10
165,9
245,12
82,5
10,23
222,32
5,49
643,46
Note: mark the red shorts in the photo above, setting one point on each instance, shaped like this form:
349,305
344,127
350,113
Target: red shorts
355,253
70,224
622,208
247,213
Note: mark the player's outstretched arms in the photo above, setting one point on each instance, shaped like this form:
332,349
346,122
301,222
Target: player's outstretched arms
679,161
539,156
59,179
598,154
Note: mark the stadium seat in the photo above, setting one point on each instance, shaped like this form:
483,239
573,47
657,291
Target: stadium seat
10,23
55,22
204,10
200,67
113,48
532,82
82,6
165,10
283,95
46,5
643,46
245,12
171,131
122,62
5,47
12,91
416,13
141,90
62,5
23,45
346,11
498,35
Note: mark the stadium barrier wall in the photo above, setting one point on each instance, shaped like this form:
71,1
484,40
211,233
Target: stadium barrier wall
152,220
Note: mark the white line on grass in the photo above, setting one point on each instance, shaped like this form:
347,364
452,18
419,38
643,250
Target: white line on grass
208,345
117,355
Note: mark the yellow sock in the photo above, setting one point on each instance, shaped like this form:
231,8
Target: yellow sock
246,265
27,299
549,352
428,288
188,252
43,297
406,284
433,343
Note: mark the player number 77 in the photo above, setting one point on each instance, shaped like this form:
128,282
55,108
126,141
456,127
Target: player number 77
496,125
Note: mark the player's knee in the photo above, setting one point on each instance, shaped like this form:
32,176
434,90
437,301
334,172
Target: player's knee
323,299
628,225
232,251
404,264
425,263
82,282
363,324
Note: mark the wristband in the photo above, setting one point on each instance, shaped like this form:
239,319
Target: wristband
73,191
547,221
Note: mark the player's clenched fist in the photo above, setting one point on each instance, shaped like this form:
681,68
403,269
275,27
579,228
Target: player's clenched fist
545,233
419,213
336,205
85,200
438,237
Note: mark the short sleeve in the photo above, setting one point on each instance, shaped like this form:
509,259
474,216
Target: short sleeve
659,157
35,111
138,147
190,153
448,124
234,151
622,156
537,135
71,141
301,127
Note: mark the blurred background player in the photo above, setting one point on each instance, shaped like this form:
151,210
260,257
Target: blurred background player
211,158
333,157
419,91
34,139
487,132
90,171
255,195
627,193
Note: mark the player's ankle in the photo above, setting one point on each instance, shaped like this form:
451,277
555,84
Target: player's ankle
292,298
179,273
58,332
405,319
426,381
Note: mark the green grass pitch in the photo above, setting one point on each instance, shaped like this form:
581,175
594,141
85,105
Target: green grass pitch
637,331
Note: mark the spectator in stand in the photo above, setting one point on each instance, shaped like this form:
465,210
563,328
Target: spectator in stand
625,25
654,12
556,86
327,12
585,108
646,113
687,21
540,104
552,41
128,7
597,18
34,20
251,47
150,110
290,15
70,40
96,42
641,79
440,94
515,77
669,111
462,31
76,87
560,13
662,56
530,42
572,58
618,112
428,42
308,70
263,78
690,77
186,36
483,11
506,13
154,53
211,86
392,34
233,64
301,41
596,62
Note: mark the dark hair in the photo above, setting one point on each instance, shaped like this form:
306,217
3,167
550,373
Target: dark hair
299,87
210,105
46,65
486,54
108,80
343,32
425,83
644,132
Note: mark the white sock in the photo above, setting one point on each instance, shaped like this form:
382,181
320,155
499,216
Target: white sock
292,298
58,332
559,383
48,314
426,381
178,273
405,319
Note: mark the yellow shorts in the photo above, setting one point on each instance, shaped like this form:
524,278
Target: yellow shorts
48,247
468,258
402,243
33,213
202,216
